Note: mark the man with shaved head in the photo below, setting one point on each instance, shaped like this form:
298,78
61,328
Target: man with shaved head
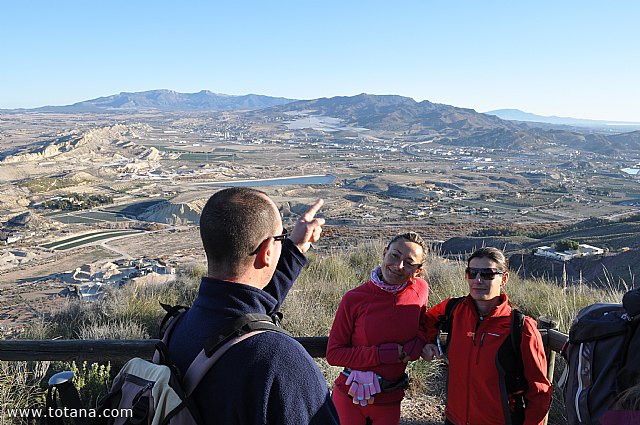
252,264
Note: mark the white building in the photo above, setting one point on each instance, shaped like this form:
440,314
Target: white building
590,250
584,250
547,251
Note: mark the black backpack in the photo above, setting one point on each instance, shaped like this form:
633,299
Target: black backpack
156,392
602,358
509,361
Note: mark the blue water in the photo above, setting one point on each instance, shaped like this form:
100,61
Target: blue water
325,179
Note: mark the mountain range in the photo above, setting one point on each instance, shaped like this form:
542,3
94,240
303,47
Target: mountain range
390,115
165,100
396,113
404,117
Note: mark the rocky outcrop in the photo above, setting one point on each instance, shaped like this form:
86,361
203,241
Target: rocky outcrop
91,140
13,198
49,150
152,154
20,220
12,258
174,213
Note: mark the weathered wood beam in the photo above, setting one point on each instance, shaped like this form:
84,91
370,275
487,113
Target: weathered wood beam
122,350
103,350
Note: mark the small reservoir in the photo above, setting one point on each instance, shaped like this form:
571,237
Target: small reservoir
279,181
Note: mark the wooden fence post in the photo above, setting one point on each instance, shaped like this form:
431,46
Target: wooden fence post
545,322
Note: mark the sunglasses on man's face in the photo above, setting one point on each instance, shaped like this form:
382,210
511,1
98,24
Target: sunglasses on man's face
485,273
277,238
282,237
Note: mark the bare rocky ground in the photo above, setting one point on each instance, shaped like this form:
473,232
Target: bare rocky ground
422,410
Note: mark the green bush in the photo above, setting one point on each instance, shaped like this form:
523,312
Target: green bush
567,245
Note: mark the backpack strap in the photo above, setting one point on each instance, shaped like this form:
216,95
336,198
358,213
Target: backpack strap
244,328
510,358
445,321
161,355
517,325
173,312
239,326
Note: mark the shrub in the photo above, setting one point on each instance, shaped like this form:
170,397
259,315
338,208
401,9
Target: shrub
567,245
20,386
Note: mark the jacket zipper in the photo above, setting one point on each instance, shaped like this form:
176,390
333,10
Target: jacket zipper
480,343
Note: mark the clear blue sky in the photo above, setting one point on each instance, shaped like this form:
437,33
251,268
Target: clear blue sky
550,57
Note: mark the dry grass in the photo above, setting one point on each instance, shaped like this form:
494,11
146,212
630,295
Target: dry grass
19,386
133,312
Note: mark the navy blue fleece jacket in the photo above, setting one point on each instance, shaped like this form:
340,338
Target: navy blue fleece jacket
267,379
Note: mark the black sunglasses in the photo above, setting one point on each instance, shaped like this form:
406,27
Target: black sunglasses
280,238
485,273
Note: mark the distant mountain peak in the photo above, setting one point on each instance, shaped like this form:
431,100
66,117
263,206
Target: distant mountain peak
397,113
518,115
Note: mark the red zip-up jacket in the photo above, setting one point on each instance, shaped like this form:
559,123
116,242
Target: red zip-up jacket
474,394
368,317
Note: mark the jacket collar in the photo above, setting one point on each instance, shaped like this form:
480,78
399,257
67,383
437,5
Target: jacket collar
232,298
502,309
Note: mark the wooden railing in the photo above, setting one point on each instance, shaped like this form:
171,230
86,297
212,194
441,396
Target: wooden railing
101,350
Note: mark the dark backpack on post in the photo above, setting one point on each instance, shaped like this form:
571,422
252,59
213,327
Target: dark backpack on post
602,358
508,361
146,393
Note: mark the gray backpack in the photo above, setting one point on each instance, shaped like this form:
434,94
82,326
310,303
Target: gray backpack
156,393
602,358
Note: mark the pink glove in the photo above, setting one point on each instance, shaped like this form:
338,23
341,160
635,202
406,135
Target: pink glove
363,386
412,349
389,353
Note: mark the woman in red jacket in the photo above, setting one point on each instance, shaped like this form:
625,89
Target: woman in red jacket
481,352
376,331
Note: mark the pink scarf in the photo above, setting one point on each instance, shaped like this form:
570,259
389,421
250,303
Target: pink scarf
376,278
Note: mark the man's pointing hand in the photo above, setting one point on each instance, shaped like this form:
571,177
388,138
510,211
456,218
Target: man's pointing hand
308,228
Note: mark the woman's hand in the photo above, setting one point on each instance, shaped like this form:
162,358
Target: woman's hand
430,352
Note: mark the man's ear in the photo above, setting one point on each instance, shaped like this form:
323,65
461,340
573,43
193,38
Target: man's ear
266,255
